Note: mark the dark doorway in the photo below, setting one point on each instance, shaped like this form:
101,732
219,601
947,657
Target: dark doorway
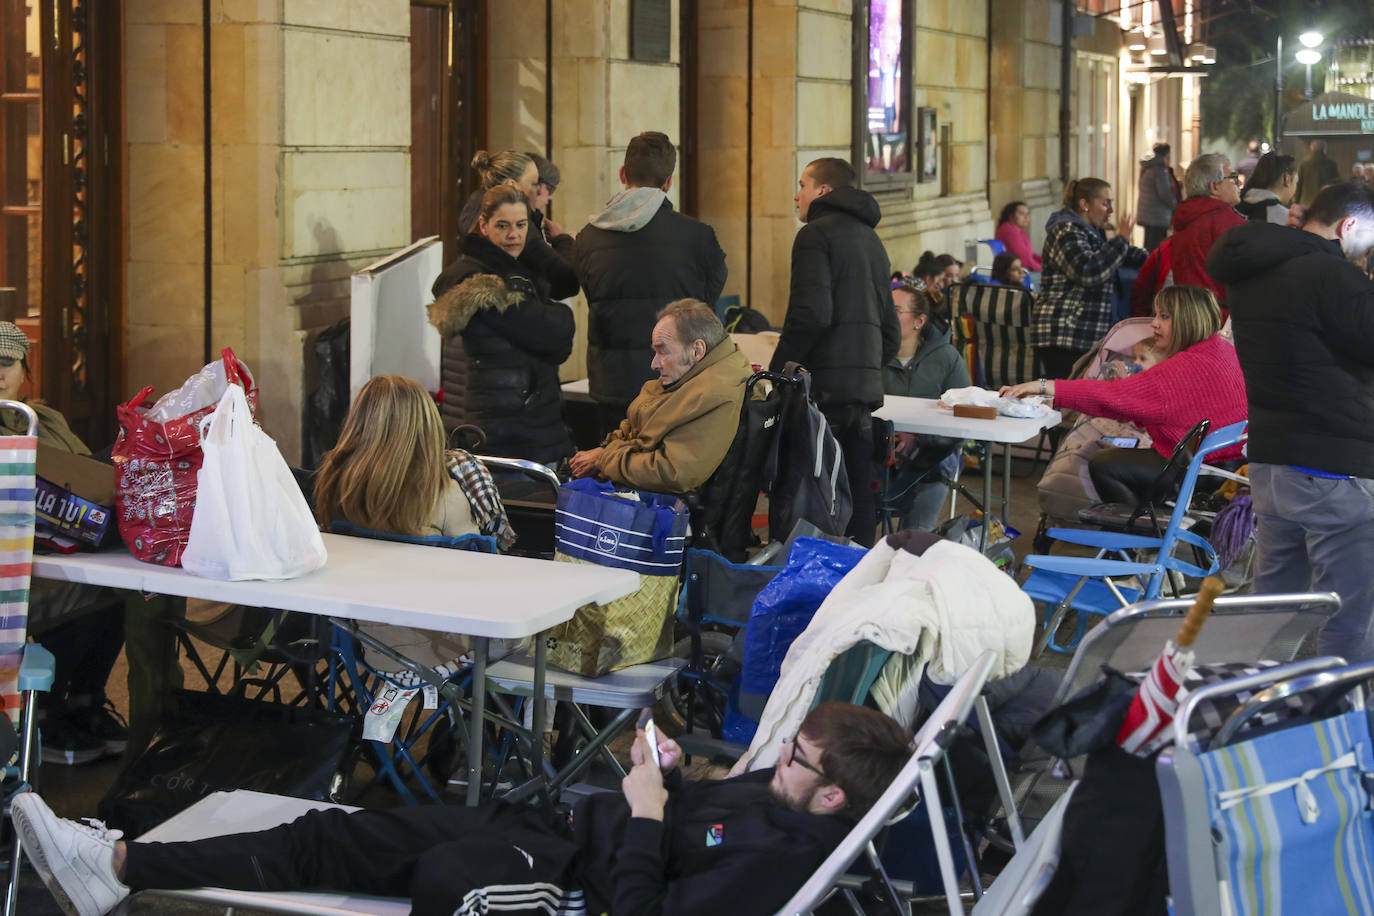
61,168
447,122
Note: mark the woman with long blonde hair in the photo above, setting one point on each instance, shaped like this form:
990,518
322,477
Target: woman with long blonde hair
387,473
1198,377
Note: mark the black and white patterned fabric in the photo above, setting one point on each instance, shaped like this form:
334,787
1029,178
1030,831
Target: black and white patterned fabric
1209,716
1001,330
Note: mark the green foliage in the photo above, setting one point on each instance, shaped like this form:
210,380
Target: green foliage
1238,95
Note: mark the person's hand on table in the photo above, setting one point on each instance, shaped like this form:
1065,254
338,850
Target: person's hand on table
585,463
643,785
1028,389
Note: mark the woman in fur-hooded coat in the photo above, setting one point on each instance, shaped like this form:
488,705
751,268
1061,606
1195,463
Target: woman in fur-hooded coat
503,343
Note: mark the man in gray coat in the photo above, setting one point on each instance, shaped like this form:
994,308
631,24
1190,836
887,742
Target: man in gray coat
1155,209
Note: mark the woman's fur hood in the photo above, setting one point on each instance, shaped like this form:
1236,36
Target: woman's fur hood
452,311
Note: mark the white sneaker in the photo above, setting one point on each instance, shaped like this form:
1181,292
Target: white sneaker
75,861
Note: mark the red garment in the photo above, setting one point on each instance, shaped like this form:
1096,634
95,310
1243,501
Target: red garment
1147,281
1198,222
1170,397
1015,240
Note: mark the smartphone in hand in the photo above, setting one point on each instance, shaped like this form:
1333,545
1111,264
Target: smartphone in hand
646,722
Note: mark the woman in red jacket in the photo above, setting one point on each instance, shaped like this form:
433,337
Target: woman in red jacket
1198,377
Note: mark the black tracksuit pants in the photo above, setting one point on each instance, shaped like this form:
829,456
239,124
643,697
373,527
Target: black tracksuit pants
439,856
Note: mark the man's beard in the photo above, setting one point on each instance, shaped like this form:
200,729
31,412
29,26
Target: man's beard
801,806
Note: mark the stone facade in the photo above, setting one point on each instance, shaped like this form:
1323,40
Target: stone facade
601,98
311,135
310,179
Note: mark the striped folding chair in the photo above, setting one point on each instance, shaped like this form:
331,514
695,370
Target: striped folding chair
24,668
997,323
1001,330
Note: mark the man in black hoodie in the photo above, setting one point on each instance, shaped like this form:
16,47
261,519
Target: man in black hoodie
664,845
1303,318
632,259
841,323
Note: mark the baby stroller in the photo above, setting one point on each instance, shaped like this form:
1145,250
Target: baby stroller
1067,487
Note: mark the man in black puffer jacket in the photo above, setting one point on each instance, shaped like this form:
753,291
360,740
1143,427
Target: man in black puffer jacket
841,323
632,259
1303,316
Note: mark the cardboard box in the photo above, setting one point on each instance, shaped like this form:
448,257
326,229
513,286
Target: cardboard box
74,495
973,411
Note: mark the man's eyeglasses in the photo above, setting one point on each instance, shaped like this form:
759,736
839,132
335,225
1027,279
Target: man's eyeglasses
795,756
1234,176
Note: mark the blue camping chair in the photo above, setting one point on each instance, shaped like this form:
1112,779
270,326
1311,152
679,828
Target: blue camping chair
396,762
714,606
1087,584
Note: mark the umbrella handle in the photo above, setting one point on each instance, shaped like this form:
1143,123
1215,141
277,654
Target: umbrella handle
1211,587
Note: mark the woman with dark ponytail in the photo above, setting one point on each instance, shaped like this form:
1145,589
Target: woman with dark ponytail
936,272
548,249
1083,251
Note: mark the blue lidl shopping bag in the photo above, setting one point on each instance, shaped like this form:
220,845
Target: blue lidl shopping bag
782,610
641,532
1291,811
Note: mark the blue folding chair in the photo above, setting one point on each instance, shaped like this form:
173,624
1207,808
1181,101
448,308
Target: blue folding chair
714,606
397,761
1087,584
1274,819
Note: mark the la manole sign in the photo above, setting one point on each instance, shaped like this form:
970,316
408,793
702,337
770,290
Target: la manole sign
1351,112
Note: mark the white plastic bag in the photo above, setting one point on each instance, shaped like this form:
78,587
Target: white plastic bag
250,521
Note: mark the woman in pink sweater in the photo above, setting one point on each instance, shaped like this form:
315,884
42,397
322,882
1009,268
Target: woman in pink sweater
1198,377
1011,232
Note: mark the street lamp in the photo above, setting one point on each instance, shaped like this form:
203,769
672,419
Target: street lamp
1310,40
1309,55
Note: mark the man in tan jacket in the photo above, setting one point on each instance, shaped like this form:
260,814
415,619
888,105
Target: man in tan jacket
678,429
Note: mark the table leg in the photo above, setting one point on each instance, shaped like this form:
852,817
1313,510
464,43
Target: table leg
987,496
476,723
540,704
1006,483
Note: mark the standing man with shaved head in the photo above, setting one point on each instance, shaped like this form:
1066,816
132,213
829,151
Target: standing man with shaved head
841,323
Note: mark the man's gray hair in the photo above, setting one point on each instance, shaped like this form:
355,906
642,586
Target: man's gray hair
1202,172
694,320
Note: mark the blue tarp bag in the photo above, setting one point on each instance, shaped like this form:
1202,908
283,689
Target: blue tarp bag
782,610
645,534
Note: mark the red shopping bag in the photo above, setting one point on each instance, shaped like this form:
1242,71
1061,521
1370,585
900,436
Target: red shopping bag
157,455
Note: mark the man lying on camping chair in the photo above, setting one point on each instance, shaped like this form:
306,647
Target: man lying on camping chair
743,844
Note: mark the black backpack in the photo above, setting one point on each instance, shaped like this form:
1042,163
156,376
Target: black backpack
805,474
783,447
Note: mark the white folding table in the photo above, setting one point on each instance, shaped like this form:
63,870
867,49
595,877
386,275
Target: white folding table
925,415
481,595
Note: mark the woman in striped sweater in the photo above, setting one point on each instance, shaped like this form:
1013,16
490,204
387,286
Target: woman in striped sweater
1197,377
